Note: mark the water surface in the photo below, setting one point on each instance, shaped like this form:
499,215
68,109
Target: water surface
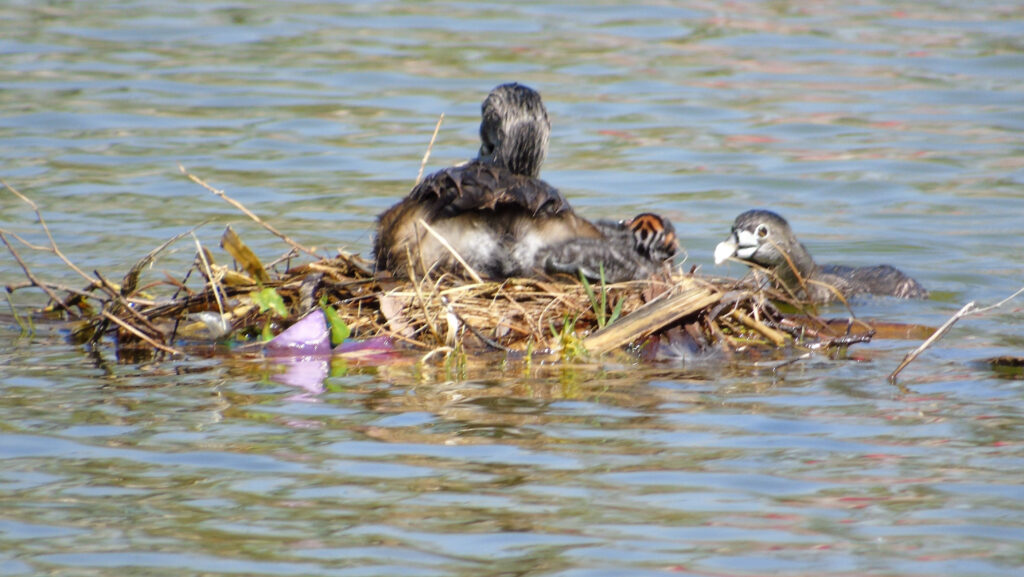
884,131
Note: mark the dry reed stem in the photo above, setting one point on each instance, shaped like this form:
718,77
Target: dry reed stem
126,306
777,338
29,284
454,318
447,350
141,335
151,255
983,310
53,243
967,309
501,292
444,242
794,300
803,282
247,212
426,155
403,338
214,284
35,281
418,293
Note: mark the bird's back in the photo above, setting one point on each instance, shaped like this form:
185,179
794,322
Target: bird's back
881,280
495,219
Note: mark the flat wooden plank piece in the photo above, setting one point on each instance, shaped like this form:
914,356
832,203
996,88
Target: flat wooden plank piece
650,318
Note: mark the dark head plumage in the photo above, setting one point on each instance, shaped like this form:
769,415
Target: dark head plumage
514,129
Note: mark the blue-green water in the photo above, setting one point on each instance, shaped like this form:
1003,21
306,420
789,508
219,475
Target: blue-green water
885,131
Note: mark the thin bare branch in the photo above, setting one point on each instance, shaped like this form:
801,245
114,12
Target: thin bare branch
46,229
426,155
129,284
939,332
444,242
483,338
214,285
777,338
141,335
44,286
126,305
247,212
418,288
984,310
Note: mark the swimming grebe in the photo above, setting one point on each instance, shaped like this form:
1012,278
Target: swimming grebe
763,238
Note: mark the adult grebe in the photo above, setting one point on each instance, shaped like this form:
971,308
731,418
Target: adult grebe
503,220
763,238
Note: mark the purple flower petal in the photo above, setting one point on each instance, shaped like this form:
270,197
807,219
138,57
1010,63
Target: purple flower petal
377,349
309,337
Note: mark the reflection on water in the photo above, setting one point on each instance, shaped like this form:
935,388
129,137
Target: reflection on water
883,131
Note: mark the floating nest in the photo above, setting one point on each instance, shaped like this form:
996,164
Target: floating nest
247,302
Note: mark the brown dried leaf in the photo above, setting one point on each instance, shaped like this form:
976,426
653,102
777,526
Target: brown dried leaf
393,309
230,277
244,255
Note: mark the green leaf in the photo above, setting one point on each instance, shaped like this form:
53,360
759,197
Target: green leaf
339,329
617,312
598,310
268,299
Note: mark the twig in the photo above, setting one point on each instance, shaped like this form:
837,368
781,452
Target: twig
417,287
426,155
522,310
983,310
847,340
141,335
452,321
491,343
777,338
18,286
127,306
209,274
46,289
444,242
967,309
46,229
50,249
284,257
246,211
25,242
29,284
445,349
130,281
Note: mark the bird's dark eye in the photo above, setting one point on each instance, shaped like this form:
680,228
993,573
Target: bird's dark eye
762,231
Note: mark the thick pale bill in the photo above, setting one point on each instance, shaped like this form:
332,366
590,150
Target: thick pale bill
725,250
